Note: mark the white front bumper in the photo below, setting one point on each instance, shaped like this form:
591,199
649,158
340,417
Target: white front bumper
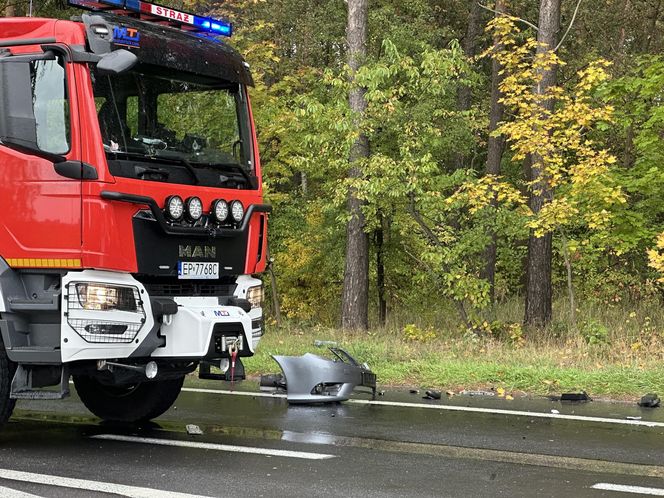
188,334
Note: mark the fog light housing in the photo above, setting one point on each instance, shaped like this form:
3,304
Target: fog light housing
151,369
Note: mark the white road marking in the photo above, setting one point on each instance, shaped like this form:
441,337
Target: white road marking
496,411
623,488
15,493
214,446
101,487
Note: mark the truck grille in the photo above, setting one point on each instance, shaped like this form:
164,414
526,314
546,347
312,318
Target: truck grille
174,288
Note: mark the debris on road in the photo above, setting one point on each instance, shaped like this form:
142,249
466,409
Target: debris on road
450,393
555,412
650,400
414,391
314,379
633,418
431,395
477,393
581,397
194,430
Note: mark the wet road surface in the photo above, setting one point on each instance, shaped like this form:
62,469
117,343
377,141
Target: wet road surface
254,444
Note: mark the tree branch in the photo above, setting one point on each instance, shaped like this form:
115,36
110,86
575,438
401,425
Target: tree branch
576,10
527,23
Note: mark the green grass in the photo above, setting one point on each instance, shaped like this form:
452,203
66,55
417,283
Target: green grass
627,363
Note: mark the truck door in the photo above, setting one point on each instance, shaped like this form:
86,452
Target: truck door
40,191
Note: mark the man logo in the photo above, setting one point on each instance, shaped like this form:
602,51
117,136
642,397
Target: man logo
209,252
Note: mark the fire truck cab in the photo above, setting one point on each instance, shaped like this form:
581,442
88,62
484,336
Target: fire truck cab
133,222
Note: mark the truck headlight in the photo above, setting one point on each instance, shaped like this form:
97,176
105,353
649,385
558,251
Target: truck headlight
255,296
104,313
174,207
104,297
220,210
194,208
237,211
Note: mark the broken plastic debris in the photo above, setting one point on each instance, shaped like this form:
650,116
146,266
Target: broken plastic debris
650,400
194,430
414,391
633,418
313,379
581,397
555,412
450,393
431,395
477,393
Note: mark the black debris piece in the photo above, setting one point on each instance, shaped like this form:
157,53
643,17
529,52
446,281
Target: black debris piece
650,400
581,397
431,395
414,391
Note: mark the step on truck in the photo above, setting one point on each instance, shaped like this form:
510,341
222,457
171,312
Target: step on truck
132,222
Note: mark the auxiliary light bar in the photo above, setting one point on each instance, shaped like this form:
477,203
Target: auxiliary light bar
159,13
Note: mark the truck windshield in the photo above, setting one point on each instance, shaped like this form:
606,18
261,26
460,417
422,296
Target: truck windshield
173,119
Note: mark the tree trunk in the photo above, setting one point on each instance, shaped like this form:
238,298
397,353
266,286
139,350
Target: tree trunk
495,149
380,271
355,298
469,46
10,10
539,291
570,286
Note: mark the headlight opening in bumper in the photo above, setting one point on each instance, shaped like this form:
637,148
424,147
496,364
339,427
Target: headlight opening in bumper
104,313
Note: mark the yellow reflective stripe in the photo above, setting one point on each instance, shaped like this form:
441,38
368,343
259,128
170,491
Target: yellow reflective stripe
44,263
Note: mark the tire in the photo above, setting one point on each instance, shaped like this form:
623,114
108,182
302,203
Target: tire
130,404
7,370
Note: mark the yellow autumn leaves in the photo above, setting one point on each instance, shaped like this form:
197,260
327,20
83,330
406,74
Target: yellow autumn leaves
557,139
656,257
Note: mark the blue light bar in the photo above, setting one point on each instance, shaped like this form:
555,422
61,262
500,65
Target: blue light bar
191,21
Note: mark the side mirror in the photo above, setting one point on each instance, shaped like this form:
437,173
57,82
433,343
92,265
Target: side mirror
117,62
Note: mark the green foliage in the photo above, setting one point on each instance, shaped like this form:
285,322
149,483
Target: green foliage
594,333
412,332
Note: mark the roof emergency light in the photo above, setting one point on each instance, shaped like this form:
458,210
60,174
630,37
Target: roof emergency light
155,12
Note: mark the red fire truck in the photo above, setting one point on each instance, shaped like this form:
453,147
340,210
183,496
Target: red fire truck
132,217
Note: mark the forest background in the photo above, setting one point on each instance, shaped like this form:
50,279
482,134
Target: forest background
507,186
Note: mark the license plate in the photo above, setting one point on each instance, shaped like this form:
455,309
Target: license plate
199,271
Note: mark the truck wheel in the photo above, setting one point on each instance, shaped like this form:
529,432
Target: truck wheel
7,370
133,403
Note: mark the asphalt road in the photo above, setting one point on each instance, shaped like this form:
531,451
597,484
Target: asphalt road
254,444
